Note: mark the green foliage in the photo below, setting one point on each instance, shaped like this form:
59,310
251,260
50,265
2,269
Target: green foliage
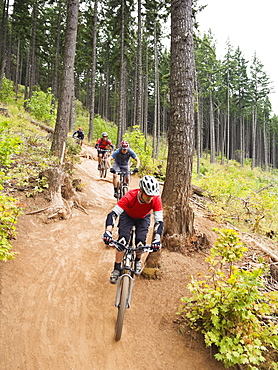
7,94
100,126
73,149
231,309
10,209
138,143
244,197
41,106
9,144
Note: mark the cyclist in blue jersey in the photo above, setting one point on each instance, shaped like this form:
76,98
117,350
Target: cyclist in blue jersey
121,159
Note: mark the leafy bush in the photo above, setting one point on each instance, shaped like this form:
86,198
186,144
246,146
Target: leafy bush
231,308
9,144
10,209
138,143
7,94
100,126
41,106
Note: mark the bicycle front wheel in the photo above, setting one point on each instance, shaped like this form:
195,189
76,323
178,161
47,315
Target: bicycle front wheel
104,169
101,171
125,190
122,307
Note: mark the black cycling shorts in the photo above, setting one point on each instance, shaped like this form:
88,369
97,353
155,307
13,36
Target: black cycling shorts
142,227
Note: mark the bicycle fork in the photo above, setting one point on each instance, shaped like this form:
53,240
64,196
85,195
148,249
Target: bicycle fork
118,293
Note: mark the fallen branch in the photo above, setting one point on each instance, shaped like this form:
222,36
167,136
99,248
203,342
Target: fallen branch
37,211
264,249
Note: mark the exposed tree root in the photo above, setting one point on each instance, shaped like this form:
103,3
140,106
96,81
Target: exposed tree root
63,196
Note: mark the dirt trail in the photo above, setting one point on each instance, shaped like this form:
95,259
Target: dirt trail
57,305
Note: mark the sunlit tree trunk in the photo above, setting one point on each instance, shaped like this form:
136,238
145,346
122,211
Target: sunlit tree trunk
66,88
139,92
122,100
93,79
177,187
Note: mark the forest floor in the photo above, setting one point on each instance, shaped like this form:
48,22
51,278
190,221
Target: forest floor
57,305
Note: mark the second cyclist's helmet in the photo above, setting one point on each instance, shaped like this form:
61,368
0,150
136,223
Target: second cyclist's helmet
104,134
124,145
149,185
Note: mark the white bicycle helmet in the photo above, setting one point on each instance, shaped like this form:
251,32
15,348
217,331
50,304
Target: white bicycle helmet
104,134
149,185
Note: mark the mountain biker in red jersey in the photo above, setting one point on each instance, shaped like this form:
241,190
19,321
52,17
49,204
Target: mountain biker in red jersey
134,209
102,145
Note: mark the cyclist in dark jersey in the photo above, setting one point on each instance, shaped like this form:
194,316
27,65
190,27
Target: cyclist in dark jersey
134,209
80,135
121,159
102,145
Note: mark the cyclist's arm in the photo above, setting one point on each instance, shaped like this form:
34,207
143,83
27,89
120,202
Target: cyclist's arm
137,162
111,145
97,144
112,216
158,224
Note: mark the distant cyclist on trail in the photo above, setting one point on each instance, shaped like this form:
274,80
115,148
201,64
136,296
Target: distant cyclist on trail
134,210
102,145
121,163
80,135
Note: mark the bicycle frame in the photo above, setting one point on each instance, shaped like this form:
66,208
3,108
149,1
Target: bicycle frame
126,279
103,163
122,185
128,270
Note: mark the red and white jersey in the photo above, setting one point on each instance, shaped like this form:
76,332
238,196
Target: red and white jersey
131,204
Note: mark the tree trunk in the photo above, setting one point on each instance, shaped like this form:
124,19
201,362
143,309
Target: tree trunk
57,53
139,90
212,129
177,188
122,100
65,98
93,80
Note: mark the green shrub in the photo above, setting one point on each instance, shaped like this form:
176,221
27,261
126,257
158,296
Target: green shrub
9,144
41,107
138,144
7,94
232,309
10,209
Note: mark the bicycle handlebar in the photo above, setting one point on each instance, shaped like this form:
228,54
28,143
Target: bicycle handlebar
143,248
124,172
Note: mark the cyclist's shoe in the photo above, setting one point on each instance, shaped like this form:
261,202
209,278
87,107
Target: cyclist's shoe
138,267
114,276
116,194
98,167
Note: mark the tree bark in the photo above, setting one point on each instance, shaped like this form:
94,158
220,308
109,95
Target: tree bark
93,79
177,188
66,88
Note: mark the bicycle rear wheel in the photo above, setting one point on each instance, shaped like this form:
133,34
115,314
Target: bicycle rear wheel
122,307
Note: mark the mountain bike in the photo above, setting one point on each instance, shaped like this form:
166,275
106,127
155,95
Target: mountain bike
78,141
126,279
122,186
103,163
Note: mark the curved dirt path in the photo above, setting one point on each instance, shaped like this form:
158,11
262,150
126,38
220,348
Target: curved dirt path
57,305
